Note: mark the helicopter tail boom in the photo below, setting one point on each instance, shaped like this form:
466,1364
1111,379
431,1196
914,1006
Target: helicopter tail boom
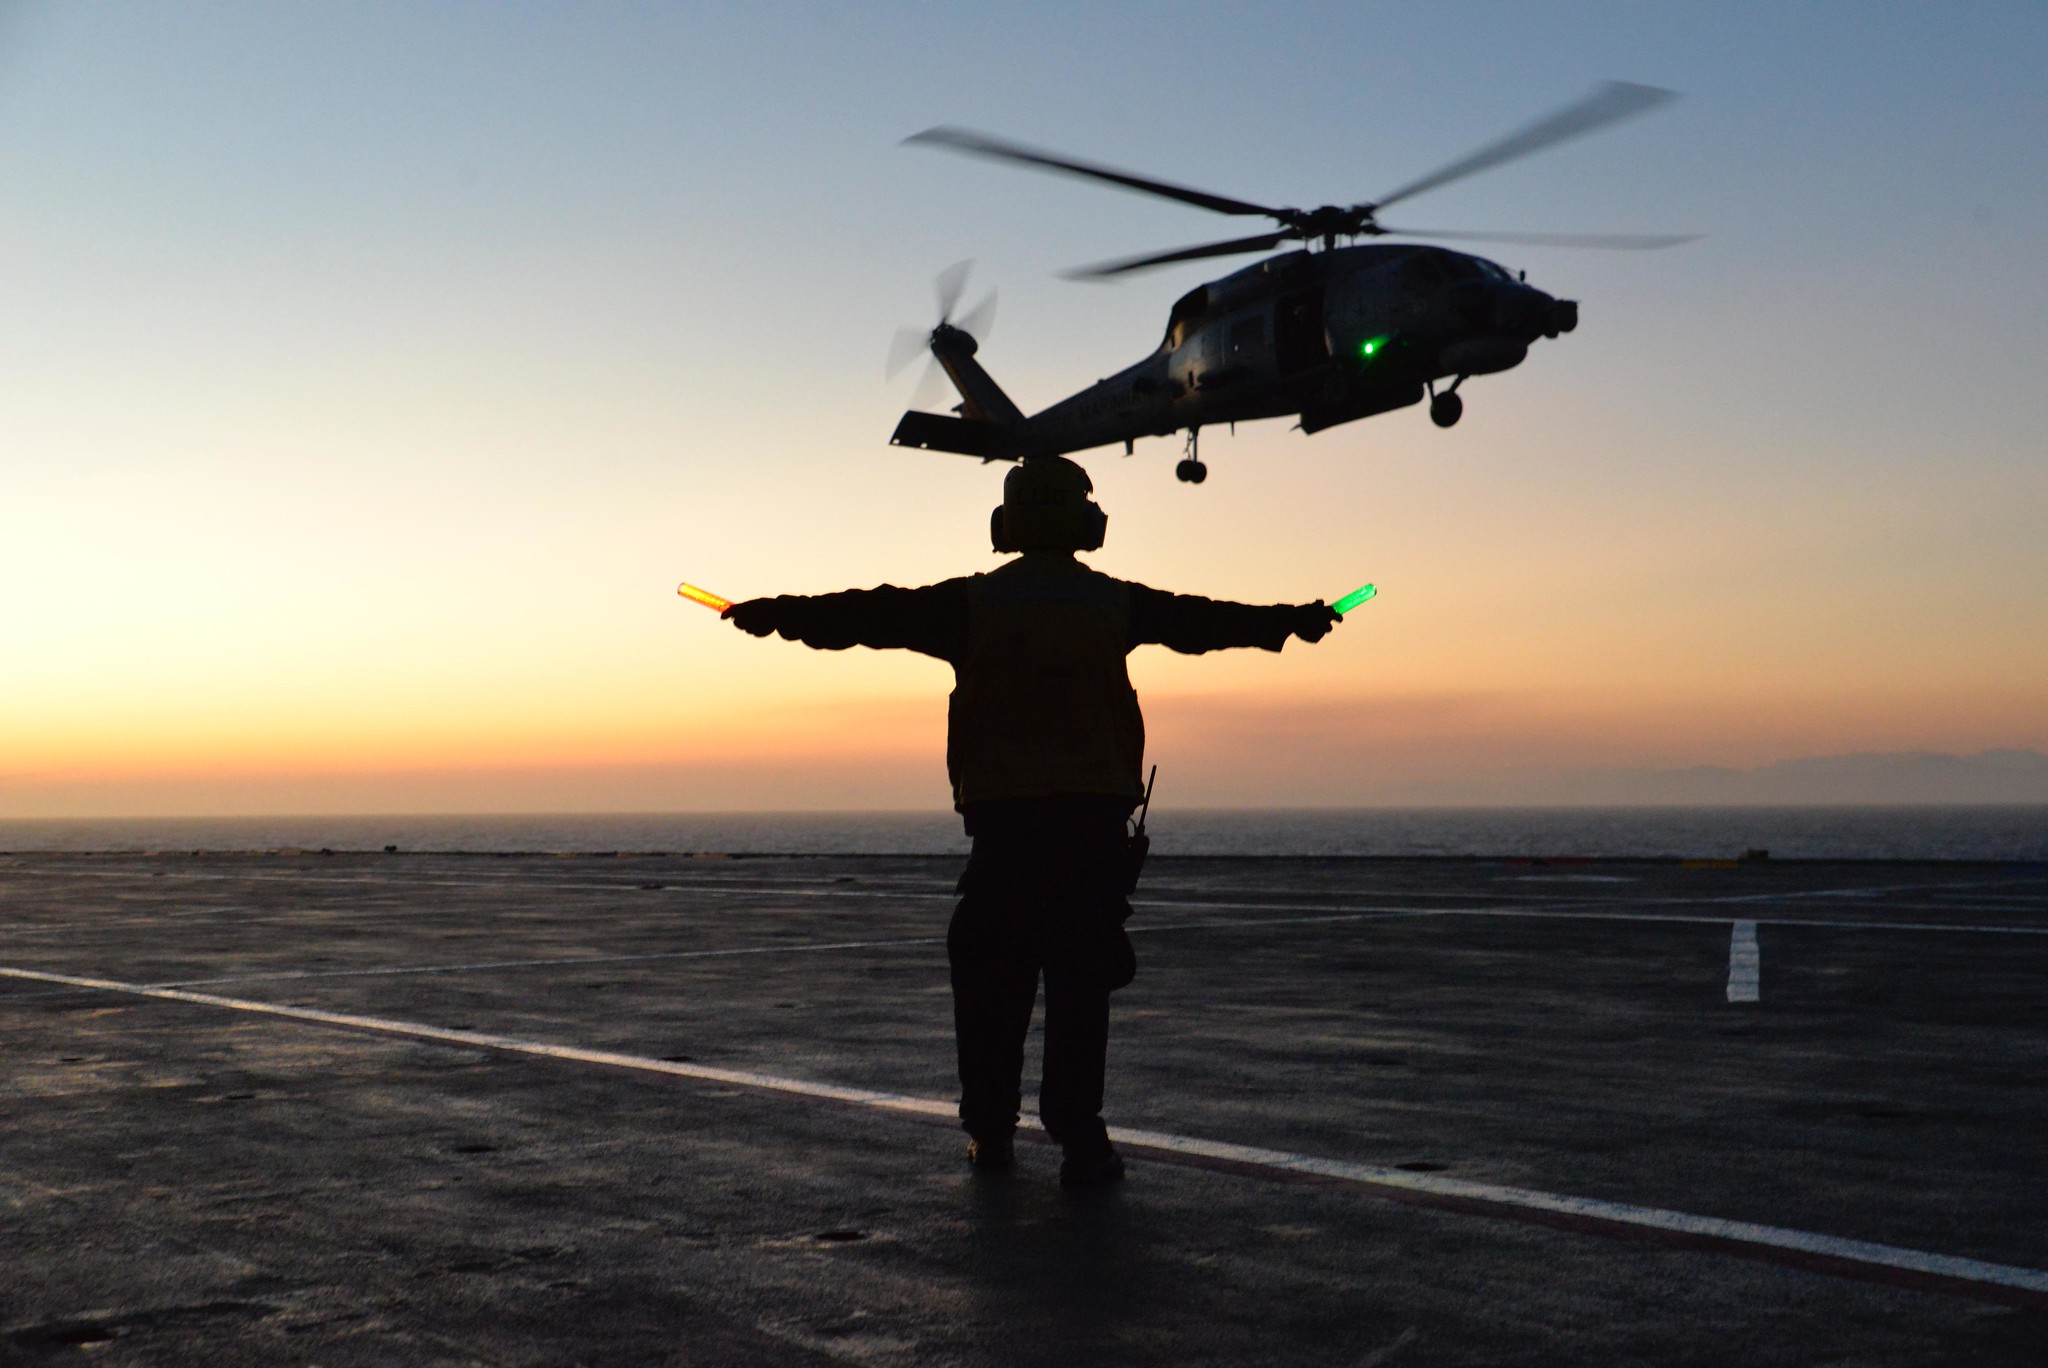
981,397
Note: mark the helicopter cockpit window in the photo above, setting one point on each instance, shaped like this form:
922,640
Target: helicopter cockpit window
1422,269
1186,316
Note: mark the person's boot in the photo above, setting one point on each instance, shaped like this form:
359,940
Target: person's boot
1091,1168
993,1154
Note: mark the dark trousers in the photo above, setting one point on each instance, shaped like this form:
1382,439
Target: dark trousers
1043,894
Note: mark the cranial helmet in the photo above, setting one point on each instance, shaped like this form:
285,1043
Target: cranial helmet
1046,508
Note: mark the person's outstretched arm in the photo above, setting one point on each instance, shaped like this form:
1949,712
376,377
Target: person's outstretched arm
931,620
1193,624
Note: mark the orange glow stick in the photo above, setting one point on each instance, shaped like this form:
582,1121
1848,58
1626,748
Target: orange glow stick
704,596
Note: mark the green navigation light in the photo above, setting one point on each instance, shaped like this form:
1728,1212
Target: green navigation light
1372,346
1354,598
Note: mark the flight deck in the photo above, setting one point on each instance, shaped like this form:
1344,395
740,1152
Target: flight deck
397,1108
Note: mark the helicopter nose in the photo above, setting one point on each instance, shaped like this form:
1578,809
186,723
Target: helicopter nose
1522,310
1528,312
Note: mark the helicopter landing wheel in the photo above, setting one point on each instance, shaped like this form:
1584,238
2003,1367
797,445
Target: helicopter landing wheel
1446,409
1191,472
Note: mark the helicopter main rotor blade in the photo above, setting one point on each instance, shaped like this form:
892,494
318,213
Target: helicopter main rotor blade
1609,103
1624,242
981,145
1102,269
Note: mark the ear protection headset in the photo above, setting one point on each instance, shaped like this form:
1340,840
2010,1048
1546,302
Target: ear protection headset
1094,524
1046,507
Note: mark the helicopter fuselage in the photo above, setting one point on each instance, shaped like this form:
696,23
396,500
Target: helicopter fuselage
1328,336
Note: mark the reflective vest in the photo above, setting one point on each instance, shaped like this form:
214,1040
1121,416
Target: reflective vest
1042,704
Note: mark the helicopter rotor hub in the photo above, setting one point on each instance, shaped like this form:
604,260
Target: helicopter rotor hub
1330,222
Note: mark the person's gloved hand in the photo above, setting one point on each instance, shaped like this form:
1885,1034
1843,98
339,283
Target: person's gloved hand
755,617
1313,621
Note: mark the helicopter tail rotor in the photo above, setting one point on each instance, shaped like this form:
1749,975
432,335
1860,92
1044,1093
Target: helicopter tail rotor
962,335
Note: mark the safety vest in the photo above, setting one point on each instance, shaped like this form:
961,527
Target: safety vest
1042,704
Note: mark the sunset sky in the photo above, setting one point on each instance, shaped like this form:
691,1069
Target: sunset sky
371,373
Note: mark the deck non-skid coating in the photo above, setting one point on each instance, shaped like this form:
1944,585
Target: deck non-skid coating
469,1109
1999,1283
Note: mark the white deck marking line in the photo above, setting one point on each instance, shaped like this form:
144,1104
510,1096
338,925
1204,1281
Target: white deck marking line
566,961
817,889
1744,962
1564,914
795,946
1861,1258
690,881
677,881
572,961
1995,909
482,1040
1333,909
625,883
1340,912
1821,1253
1863,892
800,891
1331,913
2015,909
1831,923
1211,923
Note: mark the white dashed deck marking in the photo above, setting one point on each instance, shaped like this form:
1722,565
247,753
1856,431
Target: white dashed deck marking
1744,962
1976,1278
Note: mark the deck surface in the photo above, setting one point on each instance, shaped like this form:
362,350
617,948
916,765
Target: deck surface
655,1110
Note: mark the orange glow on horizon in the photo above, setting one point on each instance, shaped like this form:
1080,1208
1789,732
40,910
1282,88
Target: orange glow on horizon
1219,749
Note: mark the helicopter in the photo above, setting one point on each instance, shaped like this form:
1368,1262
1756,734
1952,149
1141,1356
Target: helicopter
1326,333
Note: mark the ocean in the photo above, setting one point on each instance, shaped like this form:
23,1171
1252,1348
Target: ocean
1859,833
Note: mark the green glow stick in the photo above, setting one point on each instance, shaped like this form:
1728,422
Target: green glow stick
1354,598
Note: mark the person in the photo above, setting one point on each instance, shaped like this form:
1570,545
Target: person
1044,747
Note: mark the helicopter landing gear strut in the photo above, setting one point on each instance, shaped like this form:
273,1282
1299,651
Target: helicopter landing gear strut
1447,408
1190,470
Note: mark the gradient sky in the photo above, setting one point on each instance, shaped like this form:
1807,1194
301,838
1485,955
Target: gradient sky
369,374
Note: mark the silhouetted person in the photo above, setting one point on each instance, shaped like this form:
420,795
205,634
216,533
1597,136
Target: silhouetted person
1044,747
